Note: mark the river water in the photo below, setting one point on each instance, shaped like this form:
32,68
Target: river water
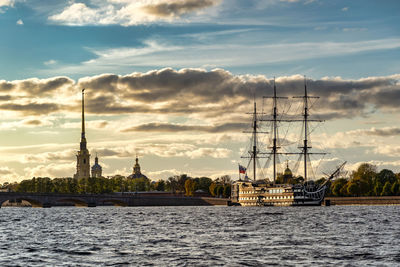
201,236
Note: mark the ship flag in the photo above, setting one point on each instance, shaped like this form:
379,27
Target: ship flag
242,169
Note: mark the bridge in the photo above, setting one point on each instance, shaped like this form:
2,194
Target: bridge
47,200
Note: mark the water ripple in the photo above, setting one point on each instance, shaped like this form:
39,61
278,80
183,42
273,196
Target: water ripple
200,236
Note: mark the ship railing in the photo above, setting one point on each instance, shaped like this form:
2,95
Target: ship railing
319,194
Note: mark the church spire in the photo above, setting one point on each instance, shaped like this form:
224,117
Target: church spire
83,156
83,112
136,168
83,138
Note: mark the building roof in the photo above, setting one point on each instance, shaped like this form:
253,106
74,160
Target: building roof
96,165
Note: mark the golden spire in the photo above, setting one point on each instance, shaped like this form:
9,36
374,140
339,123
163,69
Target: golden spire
83,138
83,113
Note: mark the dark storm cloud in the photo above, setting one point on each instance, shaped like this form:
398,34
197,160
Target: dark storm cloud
167,127
191,90
106,104
31,108
169,84
5,97
192,87
33,122
102,83
388,98
6,86
205,94
326,87
177,8
389,131
36,86
4,171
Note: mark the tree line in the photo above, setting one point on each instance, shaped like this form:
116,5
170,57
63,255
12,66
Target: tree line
366,181
179,184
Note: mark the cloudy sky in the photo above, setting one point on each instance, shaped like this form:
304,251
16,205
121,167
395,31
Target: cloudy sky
173,80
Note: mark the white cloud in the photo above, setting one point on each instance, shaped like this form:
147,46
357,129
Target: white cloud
345,9
52,170
355,29
209,152
387,150
5,3
158,53
89,124
128,13
20,22
8,175
28,122
50,62
163,174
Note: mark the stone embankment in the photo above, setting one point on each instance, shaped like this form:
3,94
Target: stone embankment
387,200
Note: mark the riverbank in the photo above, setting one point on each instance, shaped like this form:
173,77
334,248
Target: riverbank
386,200
47,200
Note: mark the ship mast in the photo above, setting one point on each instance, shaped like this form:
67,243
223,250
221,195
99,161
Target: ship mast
275,147
254,152
305,148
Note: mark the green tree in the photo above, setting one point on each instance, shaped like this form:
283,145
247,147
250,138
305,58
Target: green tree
378,189
219,190
365,175
395,188
172,184
385,175
353,189
386,189
181,182
160,185
190,187
212,189
227,191
337,185
204,183
225,179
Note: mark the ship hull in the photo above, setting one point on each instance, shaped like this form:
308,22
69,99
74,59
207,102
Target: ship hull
265,195
292,204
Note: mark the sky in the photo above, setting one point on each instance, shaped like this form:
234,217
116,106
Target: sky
173,81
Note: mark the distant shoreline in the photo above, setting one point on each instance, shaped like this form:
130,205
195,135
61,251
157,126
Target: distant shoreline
200,201
384,200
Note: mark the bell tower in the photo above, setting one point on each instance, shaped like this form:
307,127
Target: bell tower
83,156
136,168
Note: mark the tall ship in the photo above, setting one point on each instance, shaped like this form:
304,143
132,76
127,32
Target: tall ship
282,189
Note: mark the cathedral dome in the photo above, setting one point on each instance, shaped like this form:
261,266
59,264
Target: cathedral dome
96,168
288,172
136,171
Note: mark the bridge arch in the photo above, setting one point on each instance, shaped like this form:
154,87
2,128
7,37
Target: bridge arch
34,202
115,202
76,201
